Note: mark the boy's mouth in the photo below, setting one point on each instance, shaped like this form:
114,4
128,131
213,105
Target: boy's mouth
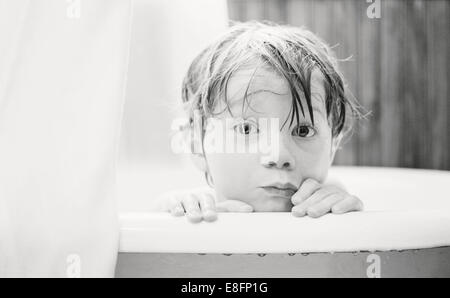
281,189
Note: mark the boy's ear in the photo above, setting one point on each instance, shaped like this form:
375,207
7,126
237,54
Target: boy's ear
199,161
335,142
197,155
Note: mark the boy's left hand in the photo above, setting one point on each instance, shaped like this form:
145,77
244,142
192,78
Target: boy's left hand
315,199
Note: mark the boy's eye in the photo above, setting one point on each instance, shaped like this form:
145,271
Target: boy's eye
303,131
246,128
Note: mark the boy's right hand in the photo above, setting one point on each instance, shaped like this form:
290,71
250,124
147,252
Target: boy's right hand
203,206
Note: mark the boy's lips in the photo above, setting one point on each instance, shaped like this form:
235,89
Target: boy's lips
281,189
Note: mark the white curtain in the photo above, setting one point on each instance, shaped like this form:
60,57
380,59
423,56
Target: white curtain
167,35
62,76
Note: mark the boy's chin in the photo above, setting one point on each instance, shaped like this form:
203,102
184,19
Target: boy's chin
272,205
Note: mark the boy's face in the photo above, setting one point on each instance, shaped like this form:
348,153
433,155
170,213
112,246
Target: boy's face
268,181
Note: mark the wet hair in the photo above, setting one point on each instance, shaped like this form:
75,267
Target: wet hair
291,52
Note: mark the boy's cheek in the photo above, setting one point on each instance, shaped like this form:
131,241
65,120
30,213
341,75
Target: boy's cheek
316,160
232,166
315,167
231,172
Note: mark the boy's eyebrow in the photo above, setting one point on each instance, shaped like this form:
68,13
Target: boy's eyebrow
258,91
314,107
319,111
234,102
317,104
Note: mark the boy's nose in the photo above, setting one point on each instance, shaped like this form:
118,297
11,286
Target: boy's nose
283,160
279,165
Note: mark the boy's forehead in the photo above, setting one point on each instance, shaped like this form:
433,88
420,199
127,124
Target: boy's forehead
250,80
263,80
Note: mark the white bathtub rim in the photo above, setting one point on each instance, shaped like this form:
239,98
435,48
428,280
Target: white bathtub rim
402,230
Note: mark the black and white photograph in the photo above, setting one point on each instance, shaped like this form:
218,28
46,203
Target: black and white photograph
224,147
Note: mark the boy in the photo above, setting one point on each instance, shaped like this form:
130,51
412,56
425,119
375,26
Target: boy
252,75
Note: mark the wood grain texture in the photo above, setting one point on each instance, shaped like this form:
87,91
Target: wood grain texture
398,71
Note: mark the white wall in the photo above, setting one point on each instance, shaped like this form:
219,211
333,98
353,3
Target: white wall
166,36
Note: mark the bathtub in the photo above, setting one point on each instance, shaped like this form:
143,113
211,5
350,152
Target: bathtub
403,232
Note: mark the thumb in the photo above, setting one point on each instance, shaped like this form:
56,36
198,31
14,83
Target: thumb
233,206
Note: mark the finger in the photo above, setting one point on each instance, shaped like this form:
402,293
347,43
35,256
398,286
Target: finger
192,207
176,207
350,203
208,207
319,195
233,206
324,206
306,189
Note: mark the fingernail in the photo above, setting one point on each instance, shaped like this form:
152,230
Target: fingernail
336,210
209,216
178,212
298,213
313,213
194,217
247,209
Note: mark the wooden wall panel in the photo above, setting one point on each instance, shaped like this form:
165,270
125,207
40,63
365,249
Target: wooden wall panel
398,71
